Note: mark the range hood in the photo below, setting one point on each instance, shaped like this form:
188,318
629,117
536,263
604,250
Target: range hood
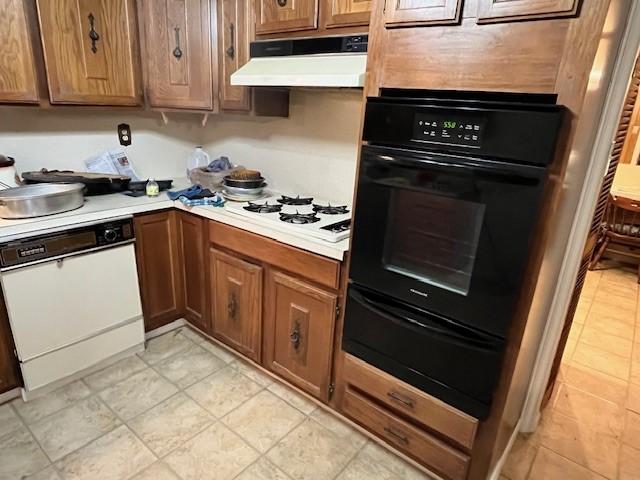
305,62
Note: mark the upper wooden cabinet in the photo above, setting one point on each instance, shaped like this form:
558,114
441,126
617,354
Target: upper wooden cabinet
343,13
414,12
236,306
90,50
18,77
299,330
277,16
177,52
505,10
235,28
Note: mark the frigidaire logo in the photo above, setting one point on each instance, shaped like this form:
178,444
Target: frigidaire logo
418,292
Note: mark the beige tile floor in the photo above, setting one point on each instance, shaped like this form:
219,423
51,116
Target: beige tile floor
185,409
591,427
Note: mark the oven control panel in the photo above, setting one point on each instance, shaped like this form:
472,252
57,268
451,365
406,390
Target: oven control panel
60,244
448,130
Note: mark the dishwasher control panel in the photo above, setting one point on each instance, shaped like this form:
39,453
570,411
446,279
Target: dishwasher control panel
55,245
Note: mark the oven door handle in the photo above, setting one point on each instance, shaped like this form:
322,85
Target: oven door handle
395,315
417,159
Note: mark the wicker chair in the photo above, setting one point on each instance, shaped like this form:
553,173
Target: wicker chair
620,226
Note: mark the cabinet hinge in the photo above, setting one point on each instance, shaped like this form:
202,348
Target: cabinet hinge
332,388
337,311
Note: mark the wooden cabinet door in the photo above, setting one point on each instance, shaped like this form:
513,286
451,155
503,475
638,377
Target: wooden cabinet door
234,35
346,13
90,51
236,291
191,230
300,321
416,12
505,10
159,270
277,16
9,376
18,77
177,53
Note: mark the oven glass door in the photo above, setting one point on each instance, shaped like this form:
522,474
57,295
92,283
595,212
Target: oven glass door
447,233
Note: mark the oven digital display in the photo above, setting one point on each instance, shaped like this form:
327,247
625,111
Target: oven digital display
447,130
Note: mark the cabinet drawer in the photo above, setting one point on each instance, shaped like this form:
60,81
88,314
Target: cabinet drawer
433,453
407,400
309,265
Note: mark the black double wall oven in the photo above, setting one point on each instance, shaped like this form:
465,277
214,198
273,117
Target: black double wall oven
449,193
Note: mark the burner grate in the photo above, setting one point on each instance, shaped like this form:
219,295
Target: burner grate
299,218
265,207
295,200
330,209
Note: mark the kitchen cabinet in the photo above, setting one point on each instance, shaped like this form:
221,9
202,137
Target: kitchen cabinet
417,443
9,376
191,235
178,53
423,427
18,74
344,13
415,12
90,51
507,10
234,34
236,307
299,332
278,16
159,270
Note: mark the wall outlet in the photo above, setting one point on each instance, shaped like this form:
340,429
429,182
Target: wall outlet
124,134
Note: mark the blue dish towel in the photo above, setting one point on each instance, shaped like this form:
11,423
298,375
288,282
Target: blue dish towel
192,192
215,201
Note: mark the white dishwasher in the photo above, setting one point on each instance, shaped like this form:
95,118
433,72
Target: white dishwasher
73,299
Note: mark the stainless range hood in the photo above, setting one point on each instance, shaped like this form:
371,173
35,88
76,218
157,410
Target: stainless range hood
306,62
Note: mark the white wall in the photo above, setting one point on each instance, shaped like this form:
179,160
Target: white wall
63,139
314,151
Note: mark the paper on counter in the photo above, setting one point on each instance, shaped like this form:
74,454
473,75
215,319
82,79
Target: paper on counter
112,161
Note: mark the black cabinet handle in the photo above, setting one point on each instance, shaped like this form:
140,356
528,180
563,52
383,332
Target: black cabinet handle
231,51
282,3
396,435
407,402
295,336
177,52
232,307
93,35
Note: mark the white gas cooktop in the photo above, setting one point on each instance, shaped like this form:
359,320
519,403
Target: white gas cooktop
302,215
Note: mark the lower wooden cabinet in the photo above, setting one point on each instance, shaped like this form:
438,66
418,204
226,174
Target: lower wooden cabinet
407,401
437,455
299,332
236,302
9,376
192,246
159,269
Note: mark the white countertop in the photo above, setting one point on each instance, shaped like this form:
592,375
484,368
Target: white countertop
97,208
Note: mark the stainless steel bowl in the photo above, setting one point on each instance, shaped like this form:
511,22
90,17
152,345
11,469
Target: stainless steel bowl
40,199
245,191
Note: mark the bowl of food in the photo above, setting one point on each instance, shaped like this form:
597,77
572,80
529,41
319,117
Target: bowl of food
244,179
